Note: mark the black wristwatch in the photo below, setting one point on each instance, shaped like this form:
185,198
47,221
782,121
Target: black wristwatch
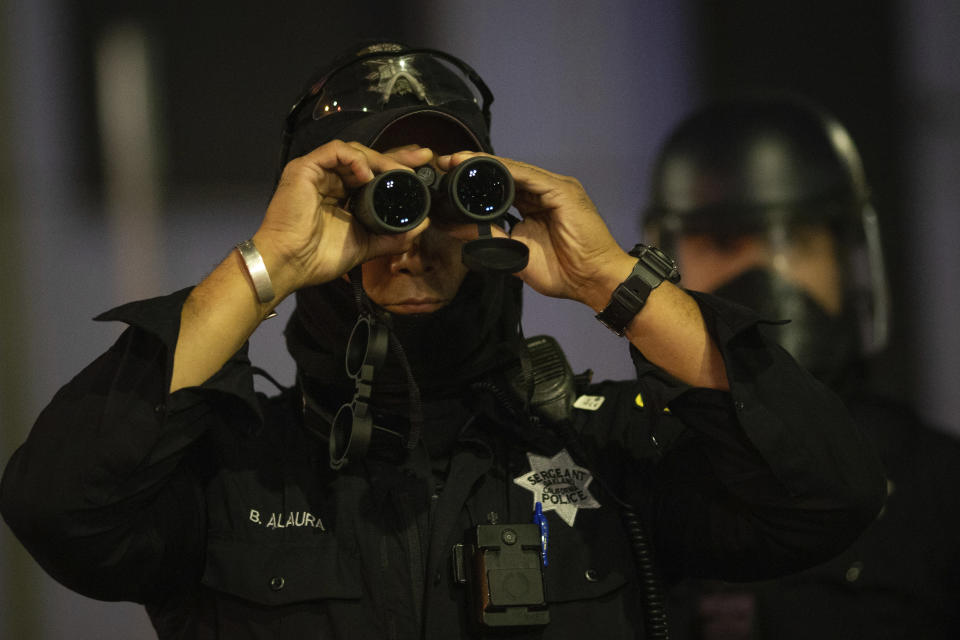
653,267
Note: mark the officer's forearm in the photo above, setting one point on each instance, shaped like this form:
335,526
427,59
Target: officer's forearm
670,332
220,315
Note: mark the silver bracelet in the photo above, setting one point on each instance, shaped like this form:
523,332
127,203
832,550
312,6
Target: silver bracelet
257,270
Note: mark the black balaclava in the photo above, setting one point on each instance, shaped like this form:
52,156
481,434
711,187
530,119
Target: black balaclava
474,335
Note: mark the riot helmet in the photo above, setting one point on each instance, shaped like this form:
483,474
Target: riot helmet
764,200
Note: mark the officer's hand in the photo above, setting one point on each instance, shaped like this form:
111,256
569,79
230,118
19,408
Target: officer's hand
572,253
306,238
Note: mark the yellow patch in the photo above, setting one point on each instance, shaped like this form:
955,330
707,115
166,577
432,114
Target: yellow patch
639,402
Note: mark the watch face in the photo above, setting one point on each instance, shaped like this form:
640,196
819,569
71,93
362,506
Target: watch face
657,261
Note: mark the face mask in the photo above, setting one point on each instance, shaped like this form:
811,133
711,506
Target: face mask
445,349
824,344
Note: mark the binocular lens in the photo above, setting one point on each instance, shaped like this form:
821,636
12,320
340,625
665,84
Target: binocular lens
483,188
399,199
480,189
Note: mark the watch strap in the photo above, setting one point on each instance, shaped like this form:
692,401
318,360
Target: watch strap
652,268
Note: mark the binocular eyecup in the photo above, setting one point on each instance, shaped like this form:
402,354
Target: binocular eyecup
477,190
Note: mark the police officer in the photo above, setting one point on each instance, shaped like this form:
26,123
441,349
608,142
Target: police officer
432,473
765,201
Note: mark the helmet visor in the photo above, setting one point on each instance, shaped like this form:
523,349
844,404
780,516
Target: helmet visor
833,260
379,82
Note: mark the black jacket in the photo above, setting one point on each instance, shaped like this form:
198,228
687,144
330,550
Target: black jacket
216,508
899,581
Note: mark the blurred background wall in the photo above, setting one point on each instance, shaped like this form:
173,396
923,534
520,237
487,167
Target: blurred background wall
138,145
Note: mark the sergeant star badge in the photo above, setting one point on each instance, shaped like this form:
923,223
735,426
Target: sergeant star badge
559,485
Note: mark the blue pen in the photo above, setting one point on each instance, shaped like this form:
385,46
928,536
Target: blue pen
541,521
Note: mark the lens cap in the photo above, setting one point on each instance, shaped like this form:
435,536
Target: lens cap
352,427
495,255
350,435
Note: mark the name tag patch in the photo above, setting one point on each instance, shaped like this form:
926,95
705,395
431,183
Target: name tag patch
283,520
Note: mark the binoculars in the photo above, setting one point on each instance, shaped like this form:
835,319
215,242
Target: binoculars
478,190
